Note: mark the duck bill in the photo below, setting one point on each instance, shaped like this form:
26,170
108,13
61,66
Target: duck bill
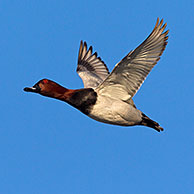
32,89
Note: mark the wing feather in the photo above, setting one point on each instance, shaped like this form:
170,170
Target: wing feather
91,68
129,74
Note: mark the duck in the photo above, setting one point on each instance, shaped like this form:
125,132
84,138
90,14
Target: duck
108,97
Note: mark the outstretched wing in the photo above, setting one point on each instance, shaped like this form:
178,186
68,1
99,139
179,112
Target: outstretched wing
129,74
91,68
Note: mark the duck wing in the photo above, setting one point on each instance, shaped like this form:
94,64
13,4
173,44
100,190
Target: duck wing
91,69
129,74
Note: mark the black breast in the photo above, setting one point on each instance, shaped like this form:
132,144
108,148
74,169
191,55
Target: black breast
83,99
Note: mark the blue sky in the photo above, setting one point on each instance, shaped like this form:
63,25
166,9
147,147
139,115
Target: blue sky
46,146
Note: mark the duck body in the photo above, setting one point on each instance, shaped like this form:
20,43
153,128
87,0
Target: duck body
107,97
116,112
101,108
96,106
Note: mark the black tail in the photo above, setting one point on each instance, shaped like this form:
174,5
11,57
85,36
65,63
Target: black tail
146,121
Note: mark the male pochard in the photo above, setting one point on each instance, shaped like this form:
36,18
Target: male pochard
107,97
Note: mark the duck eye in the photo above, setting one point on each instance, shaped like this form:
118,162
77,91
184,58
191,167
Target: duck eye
45,81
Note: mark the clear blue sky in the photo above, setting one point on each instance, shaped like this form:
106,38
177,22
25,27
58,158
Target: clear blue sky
46,146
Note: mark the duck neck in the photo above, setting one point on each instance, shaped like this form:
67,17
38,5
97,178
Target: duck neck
82,99
60,93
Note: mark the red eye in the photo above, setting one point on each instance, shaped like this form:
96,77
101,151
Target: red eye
45,81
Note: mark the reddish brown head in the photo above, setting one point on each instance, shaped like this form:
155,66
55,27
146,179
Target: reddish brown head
48,88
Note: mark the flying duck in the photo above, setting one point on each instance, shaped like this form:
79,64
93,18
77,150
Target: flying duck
107,97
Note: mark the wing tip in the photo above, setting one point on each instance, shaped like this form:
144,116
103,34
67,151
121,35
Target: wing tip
159,31
85,45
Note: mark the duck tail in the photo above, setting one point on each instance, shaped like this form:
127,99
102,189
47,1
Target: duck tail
146,121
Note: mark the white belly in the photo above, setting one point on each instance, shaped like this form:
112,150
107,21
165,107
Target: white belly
116,112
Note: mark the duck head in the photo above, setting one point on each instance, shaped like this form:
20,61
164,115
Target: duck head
48,88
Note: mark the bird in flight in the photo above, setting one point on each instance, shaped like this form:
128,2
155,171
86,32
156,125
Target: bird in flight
107,97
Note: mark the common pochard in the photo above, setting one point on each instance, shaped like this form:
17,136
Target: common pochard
107,97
